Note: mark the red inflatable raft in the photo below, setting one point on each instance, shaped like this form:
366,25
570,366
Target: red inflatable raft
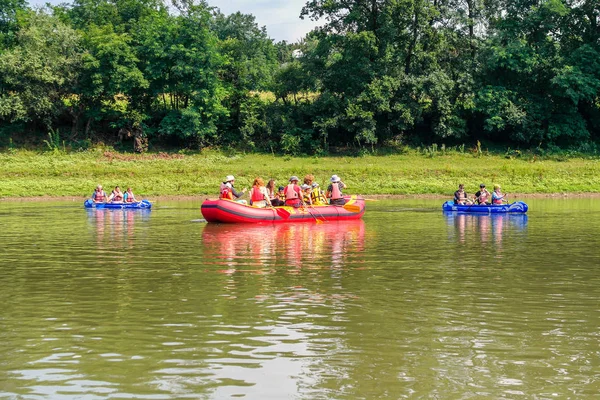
228,211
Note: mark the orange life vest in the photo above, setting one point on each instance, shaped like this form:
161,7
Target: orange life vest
336,193
117,196
226,192
256,194
497,201
99,196
483,197
129,198
292,194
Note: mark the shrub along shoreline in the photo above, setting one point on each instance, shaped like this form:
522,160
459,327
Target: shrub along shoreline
30,174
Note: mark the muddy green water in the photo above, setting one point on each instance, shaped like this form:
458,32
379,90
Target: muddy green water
407,303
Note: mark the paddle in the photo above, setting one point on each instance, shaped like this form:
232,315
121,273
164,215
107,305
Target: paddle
285,214
313,215
352,208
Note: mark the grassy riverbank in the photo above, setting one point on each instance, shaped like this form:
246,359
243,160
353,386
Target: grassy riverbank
27,173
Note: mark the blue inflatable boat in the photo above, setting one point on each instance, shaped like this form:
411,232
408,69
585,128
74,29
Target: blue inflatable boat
141,205
516,207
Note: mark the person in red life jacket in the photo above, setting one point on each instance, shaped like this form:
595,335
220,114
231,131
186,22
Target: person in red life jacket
293,193
259,197
334,191
116,196
497,196
461,197
129,197
482,196
227,191
99,195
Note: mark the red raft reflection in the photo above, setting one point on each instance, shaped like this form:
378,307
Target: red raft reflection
228,211
298,245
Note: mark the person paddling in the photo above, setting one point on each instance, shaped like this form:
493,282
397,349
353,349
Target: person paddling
116,196
129,196
482,196
293,193
334,191
497,196
228,192
99,195
460,196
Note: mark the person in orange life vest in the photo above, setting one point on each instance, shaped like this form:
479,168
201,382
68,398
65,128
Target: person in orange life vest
460,196
259,197
99,195
293,193
129,197
482,196
497,196
334,191
306,198
227,191
116,196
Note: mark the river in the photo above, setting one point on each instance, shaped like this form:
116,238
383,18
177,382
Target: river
407,303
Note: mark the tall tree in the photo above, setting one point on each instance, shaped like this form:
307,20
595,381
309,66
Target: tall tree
39,73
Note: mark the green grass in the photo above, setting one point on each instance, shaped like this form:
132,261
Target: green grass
26,173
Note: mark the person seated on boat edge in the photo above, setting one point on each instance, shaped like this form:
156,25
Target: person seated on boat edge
129,197
317,195
461,197
334,191
306,198
482,196
99,195
116,196
259,197
228,192
293,193
497,196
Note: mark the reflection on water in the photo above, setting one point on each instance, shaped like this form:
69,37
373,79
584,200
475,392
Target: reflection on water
412,304
483,228
115,227
300,245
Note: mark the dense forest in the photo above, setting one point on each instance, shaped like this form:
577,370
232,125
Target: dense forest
520,73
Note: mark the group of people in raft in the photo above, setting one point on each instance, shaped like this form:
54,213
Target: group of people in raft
482,197
293,194
116,196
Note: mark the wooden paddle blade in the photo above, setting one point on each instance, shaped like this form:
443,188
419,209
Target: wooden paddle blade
285,214
352,208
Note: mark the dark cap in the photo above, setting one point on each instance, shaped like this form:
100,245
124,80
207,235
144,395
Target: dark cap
280,188
482,185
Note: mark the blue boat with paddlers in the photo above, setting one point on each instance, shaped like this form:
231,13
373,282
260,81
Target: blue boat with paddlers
140,205
518,207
